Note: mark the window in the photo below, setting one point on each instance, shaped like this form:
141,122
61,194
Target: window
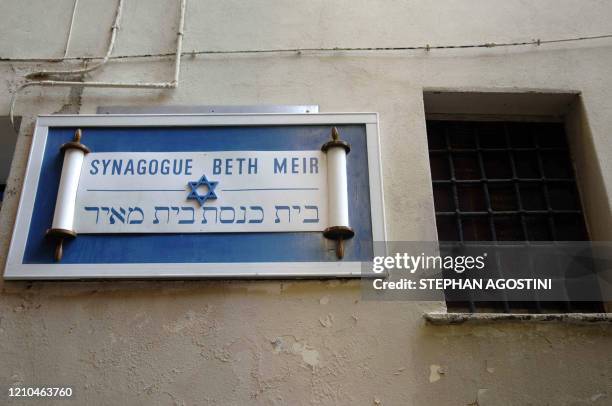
505,181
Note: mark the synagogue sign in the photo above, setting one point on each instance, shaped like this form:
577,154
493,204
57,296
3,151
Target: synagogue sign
271,195
186,192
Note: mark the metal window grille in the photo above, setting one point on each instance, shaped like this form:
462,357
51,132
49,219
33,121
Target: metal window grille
505,181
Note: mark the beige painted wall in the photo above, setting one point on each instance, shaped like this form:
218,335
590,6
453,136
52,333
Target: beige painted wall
303,342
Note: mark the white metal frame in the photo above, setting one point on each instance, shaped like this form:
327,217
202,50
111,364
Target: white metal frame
16,270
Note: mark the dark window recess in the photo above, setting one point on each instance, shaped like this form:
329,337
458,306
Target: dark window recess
505,181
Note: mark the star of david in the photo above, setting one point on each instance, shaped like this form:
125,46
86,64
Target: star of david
210,194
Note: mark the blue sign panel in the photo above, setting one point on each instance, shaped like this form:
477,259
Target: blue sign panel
204,249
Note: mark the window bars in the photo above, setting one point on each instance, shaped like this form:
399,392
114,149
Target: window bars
505,181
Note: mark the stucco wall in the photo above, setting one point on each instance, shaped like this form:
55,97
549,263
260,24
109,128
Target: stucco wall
302,342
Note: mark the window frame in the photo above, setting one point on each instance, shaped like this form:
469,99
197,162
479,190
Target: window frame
572,179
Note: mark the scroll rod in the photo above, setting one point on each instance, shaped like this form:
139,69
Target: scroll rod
60,234
340,229
339,233
61,229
